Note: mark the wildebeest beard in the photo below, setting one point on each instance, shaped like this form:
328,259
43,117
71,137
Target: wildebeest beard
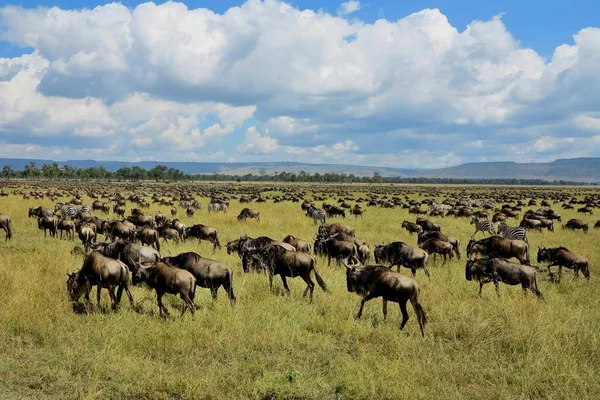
357,279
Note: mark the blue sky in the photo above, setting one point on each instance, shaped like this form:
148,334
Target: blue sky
425,82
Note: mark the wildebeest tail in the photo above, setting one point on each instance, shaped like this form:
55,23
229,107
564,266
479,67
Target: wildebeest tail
192,293
527,259
537,289
320,280
421,316
157,242
8,229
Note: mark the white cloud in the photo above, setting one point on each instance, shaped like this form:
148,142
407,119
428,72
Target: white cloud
164,81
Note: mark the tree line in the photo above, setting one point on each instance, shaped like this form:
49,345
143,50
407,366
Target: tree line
163,173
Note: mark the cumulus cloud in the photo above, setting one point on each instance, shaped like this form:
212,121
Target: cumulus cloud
167,82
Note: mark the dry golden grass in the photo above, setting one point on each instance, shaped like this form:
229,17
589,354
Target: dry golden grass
274,346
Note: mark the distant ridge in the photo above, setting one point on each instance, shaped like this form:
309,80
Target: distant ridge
586,169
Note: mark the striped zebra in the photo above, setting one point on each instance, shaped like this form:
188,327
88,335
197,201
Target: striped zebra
216,207
317,215
511,232
483,226
69,210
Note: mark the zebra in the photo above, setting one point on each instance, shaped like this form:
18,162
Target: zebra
483,226
510,232
216,207
316,214
71,210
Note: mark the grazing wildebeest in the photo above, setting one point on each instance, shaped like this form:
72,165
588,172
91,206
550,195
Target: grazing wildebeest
531,224
203,232
501,270
575,224
48,223
40,212
279,261
245,245
130,253
300,245
412,228
428,225
165,279
401,254
5,224
104,272
209,273
425,236
586,210
119,210
149,236
497,246
86,233
562,257
170,234
338,249
331,229
375,281
248,213
68,226
436,246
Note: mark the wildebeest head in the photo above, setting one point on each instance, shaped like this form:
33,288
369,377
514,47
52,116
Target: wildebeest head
142,274
74,289
474,247
469,269
356,281
233,246
379,253
543,254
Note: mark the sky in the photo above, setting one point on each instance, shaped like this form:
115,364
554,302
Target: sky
411,83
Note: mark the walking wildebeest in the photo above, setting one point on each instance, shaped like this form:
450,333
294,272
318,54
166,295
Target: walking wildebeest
130,253
401,254
575,224
48,223
5,224
428,225
148,236
501,270
338,249
412,228
375,281
165,279
203,232
67,226
209,273
436,246
104,272
497,246
279,261
425,236
563,257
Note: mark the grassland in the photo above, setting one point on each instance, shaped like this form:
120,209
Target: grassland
275,346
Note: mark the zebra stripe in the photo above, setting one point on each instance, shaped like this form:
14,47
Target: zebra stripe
317,215
483,226
71,210
511,232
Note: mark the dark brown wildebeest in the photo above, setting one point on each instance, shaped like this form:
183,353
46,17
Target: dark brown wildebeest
149,236
169,234
40,212
531,224
401,254
203,232
68,226
160,218
498,217
87,234
300,245
279,261
119,210
501,270
209,273
166,279
338,249
173,212
97,205
189,212
248,213
5,224
328,230
412,228
436,246
130,253
357,211
575,224
586,210
597,224
104,272
497,246
562,257
425,236
375,281
179,227
428,225
48,223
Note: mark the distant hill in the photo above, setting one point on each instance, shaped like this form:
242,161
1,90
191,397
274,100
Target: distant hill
575,169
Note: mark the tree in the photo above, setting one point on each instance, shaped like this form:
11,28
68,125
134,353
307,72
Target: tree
7,172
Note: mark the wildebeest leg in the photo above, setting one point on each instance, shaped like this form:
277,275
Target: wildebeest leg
98,293
384,308
362,305
328,260
213,292
405,317
414,271
310,285
270,281
285,285
480,287
113,299
497,286
161,306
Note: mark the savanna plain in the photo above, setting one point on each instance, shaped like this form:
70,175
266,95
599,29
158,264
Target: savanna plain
273,346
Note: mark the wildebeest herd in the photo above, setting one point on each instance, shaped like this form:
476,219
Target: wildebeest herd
130,250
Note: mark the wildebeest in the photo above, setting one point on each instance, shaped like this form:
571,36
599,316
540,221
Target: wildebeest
246,245
86,233
375,281
401,254
165,279
597,224
169,234
497,246
248,213
40,212
149,236
104,272
48,224
68,226
428,225
5,224
425,236
331,229
563,257
586,210
501,270
132,254
337,249
209,273
436,246
301,245
412,228
575,224
279,261
203,232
